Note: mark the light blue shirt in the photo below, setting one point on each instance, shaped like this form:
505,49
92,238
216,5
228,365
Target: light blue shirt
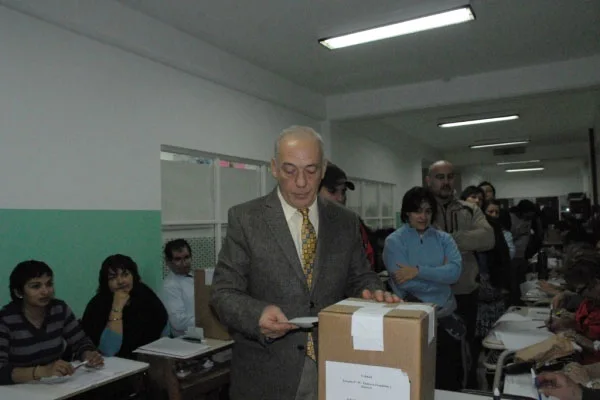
427,251
110,342
178,298
511,244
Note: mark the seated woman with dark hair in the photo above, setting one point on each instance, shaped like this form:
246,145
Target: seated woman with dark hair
35,326
423,262
125,313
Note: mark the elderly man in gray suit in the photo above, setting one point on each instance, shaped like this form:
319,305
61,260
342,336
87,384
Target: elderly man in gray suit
286,255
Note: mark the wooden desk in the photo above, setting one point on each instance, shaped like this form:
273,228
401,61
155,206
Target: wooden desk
163,374
81,383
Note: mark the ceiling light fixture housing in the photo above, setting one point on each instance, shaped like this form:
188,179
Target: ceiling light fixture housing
518,162
503,144
478,121
525,169
445,18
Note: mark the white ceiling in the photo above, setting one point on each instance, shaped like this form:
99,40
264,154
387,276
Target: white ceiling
546,120
281,36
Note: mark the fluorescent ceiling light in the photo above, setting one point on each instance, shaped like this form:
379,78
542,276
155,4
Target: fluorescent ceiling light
463,14
525,169
483,146
478,121
518,162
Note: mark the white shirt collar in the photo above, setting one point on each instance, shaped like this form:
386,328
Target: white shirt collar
178,276
289,211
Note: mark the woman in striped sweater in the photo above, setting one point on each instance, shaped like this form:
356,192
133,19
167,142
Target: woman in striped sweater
35,329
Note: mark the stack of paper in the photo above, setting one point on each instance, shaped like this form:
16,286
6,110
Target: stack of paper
518,335
176,348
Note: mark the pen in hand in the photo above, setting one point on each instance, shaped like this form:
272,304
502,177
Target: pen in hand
80,365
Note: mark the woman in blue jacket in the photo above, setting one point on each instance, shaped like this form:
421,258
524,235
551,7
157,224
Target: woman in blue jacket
423,262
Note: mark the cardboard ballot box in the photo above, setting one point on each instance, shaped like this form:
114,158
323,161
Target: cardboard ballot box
379,351
205,316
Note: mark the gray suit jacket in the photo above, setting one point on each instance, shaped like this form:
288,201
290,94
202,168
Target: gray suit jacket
258,266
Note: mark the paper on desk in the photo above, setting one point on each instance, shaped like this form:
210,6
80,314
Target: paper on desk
365,382
538,314
532,290
521,385
513,317
518,335
176,348
83,378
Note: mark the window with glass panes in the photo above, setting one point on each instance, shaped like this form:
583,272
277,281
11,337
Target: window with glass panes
374,202
197,191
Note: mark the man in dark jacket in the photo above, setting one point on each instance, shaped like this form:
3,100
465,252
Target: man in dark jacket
471,232
333,187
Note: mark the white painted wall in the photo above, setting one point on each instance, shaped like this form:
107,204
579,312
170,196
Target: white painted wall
82,122
551,77
112,22
393,158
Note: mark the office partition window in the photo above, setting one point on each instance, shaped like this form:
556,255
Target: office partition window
374,202
197,191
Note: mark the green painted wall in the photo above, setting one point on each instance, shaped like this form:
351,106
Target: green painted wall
74,244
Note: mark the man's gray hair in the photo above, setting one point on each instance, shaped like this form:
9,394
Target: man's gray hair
298,132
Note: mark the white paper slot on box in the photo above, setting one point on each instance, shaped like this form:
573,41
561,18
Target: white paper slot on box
367,328
365,382
208,276
430,315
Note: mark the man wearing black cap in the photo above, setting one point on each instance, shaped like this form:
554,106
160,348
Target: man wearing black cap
333,187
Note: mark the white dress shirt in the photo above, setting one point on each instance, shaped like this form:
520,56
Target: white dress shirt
294,221
178,298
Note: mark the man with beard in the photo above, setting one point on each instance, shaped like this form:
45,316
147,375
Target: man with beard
468,226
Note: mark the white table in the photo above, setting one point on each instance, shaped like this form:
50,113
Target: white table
82,381
539,314
493,345
208,346
162,372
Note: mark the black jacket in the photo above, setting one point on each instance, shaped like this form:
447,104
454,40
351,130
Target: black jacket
590,394
498,258
144,318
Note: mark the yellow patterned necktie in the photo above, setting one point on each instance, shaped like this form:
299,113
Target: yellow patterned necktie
309,249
